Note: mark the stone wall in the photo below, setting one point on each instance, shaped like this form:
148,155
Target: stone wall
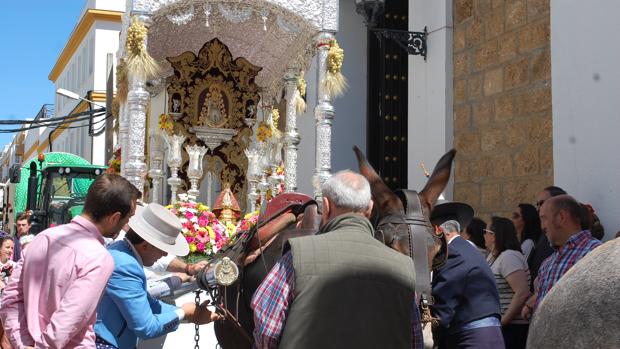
502,103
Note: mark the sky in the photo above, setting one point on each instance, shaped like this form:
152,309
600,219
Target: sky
32,35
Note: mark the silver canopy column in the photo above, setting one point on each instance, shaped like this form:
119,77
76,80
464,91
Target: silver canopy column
291,137
324,112
137,103
324,116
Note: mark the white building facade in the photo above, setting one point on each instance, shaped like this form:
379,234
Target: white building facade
81,68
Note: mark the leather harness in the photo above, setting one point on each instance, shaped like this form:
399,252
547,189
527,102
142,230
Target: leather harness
418,229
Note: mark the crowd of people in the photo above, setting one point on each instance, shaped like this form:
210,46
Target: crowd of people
68,290
523,256
81,285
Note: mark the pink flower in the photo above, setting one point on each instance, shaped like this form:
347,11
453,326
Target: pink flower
189,215
218,235
221,243
189,239
200,247
203,221
189,226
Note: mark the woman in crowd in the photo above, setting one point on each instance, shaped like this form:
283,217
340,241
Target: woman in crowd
475,233
6,267
6,263
512,278
527,224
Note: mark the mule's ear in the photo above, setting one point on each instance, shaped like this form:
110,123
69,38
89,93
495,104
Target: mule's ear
386,201
439,179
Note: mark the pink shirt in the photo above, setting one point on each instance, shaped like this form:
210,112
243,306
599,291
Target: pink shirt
52,297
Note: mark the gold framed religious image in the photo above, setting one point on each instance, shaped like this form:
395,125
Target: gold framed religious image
213,107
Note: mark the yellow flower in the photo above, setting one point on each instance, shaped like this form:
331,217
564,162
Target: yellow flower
169,206
211,233
192,248
263,132
202,207
231,228
165,123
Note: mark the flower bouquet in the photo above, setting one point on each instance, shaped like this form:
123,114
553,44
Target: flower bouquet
204,233
114,165
166,123
248,222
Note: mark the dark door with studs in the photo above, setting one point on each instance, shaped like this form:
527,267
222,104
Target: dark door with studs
387,98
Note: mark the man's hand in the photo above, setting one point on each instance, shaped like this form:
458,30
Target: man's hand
526,311
193,269
184,277
199,315
528,307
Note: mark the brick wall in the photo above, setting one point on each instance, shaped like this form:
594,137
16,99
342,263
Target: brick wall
502,103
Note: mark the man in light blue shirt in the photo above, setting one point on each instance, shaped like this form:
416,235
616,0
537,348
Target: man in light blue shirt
126,311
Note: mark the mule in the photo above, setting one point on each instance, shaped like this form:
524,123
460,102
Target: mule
393,224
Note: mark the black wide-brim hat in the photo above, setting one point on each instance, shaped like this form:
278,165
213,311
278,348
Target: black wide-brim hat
451,210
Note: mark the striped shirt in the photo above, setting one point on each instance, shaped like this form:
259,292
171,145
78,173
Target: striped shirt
562,260
276,294
505,264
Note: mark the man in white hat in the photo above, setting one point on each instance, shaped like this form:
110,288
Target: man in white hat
126,311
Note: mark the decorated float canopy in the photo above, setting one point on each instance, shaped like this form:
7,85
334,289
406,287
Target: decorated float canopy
271,34
218,62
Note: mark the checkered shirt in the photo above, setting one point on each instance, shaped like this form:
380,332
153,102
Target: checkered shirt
562,260
274,296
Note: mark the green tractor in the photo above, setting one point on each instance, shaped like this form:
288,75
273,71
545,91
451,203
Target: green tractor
52,188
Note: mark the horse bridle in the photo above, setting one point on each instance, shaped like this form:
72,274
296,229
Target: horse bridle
418,227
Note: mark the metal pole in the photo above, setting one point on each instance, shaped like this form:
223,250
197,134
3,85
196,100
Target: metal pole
109,122
324,116
291,137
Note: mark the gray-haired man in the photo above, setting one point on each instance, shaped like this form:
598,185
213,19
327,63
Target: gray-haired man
466,298
340,288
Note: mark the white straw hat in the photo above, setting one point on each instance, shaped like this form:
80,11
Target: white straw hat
160,228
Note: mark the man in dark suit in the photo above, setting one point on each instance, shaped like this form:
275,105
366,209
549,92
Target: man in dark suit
464,291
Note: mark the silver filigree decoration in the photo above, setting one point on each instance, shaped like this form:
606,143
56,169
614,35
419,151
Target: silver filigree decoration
321,13
181,16
280,46
324,112
291,137
235,13
330,15
286,26
207,11
264,15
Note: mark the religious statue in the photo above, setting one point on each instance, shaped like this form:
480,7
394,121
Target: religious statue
251,110
213,112
226,207
176,106
176,103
